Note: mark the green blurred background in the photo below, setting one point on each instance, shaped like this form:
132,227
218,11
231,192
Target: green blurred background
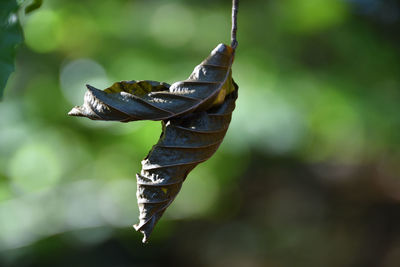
307,176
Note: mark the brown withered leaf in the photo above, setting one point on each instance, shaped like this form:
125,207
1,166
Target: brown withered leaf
195,116
184,143
124,101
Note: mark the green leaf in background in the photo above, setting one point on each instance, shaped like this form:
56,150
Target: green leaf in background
10,37
33,6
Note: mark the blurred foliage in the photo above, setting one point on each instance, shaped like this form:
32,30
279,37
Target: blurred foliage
308,175
10,36
33,6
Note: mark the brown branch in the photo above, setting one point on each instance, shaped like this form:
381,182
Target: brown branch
235,6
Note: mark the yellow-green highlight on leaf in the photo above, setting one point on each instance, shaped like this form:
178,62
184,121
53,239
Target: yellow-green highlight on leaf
140,88
226,89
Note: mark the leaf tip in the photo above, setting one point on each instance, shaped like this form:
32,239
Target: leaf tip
89,87
76,112
145,233
223,49
145,237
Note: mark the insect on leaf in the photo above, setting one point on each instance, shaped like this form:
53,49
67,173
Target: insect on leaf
184,143
208,85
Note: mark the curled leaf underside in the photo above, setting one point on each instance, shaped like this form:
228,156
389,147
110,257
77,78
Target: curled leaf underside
195,116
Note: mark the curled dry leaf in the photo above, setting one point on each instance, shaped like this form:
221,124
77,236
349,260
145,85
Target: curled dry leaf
184,143
195,116
125,101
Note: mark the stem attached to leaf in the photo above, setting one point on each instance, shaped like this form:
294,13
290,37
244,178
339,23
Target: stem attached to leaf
235,6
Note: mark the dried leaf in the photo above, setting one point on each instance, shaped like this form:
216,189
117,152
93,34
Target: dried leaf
121,94
185,142
208,85
195,116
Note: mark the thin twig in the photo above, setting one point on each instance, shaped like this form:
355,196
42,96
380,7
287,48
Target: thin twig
235,6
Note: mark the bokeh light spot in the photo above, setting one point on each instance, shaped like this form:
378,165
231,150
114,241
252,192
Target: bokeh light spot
42,31
118,202
172,25
76,74
313,15
34,166
266,120
197,196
